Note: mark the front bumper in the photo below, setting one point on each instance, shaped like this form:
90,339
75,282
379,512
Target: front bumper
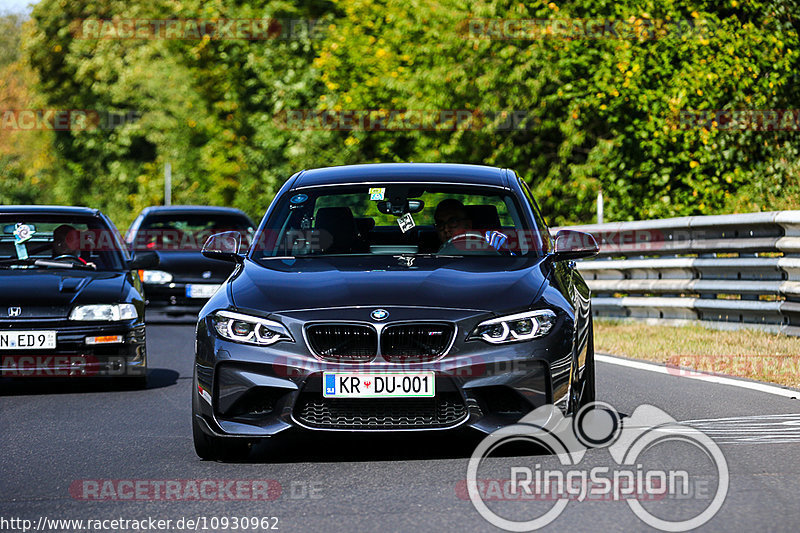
250,391
73,357
171,298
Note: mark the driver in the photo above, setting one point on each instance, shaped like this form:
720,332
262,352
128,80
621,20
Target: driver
61,245
451,219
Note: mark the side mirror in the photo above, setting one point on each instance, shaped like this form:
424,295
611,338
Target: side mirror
224,247
144,260
572,244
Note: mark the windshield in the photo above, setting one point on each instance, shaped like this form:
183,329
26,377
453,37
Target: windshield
187,232
451,220
74,242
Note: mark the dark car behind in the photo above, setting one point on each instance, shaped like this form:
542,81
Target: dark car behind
185,279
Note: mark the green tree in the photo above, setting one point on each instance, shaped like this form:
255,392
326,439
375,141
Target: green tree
601,113
203,105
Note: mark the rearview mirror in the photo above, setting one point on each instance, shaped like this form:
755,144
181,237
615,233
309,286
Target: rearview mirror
572,244
224,246
399,208
144,260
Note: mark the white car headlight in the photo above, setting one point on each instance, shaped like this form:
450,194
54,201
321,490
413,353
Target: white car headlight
106,312
156,277
249,329
515,328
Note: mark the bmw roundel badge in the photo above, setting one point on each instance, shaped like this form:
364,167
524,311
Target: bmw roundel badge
379,314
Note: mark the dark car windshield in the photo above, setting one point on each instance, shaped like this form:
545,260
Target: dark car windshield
378,219
24,238
186,232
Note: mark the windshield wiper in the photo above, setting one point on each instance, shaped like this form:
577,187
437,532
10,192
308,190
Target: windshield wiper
58,264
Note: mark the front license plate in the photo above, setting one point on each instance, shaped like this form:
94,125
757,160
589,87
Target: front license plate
201,291
27,340
378,385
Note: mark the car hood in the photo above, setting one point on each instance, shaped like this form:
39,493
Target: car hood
193,266
47,294
487,284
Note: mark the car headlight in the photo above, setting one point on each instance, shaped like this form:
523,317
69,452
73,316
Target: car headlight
249,329
515,328
156,277
106,312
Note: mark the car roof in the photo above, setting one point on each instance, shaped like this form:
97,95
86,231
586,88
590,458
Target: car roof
48,210
174,209
403,172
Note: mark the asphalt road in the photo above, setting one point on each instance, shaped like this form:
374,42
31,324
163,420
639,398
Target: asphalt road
57,436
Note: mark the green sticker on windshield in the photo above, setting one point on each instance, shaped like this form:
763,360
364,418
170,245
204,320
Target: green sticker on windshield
377,193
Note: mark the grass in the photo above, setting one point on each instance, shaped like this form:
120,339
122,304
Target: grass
747,353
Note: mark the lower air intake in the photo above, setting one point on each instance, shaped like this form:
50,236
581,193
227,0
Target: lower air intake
445,410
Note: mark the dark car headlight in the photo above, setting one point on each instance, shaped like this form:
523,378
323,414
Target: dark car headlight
515,328
104,312
155,277
249,329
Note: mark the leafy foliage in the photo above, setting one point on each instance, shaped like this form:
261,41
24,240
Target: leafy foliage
597,113
600,113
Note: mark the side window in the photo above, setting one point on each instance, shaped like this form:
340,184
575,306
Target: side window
547,239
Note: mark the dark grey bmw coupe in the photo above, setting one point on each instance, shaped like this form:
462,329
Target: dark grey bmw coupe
392,297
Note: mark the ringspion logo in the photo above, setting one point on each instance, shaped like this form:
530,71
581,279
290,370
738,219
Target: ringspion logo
630,444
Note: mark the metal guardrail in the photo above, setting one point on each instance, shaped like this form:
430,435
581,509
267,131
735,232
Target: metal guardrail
729,271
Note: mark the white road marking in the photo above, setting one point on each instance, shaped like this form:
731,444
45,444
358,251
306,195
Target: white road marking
661,369
760,429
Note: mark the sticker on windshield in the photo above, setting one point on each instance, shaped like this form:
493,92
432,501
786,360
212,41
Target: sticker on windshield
406,222
299,198
22,233
377,193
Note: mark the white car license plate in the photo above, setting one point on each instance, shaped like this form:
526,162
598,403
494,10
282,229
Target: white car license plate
378,385
200,290
27,340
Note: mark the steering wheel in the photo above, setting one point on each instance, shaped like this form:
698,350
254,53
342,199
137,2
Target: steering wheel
470,242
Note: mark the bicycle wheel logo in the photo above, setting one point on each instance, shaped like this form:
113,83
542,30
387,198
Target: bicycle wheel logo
599,425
